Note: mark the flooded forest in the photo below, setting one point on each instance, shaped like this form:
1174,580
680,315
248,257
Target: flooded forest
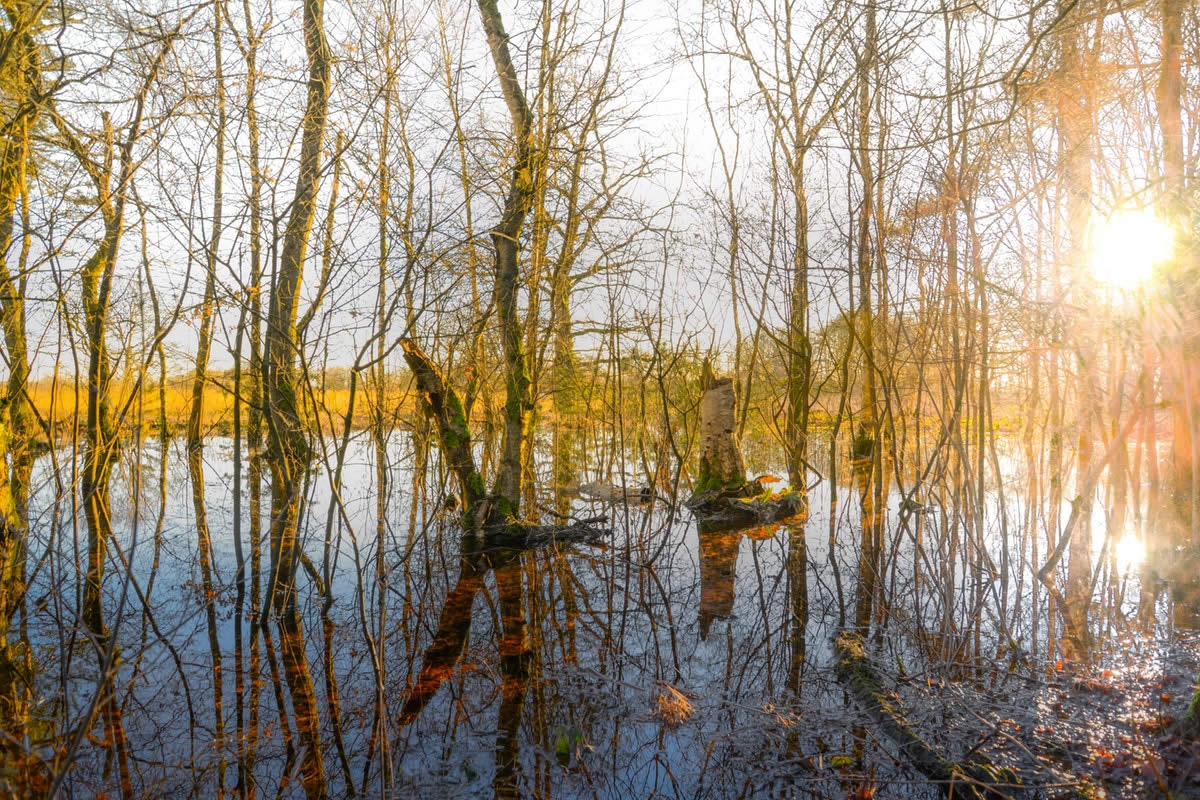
599,399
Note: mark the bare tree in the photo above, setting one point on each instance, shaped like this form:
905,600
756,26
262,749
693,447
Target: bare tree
288,448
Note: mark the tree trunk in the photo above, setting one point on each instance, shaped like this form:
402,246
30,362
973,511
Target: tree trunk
16,416
1186,494
1074,120
289,452
506,241
442,405
866,458
195,431
722,470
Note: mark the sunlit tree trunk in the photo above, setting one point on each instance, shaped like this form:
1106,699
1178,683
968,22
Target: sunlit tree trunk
799,346
254,384
540,228
379,427
195,428
17,424
1184,363
1148,452
567,405
1074,117
506,242
288,448
866,452
1170,107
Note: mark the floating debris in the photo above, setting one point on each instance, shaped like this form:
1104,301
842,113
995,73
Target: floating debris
671,705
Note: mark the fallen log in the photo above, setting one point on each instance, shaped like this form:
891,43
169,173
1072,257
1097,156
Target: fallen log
973,778
527,536
609,493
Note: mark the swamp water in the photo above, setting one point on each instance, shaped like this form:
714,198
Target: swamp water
664,662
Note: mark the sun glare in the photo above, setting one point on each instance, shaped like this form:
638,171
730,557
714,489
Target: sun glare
1128,247
1130,552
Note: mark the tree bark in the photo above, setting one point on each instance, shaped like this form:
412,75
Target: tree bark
454,436
506,241
867,451
288,449
722,469
1075,121
195,431
16,416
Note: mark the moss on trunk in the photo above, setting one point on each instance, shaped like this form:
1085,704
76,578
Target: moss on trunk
722,469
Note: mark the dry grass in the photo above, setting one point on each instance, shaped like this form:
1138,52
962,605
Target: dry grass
671,705
61,403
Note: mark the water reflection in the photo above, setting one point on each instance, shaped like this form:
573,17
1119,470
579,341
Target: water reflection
719,547
718,567
515,658
494,656
441,659
454,628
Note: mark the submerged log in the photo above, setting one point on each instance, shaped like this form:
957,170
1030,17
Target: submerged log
972,778
528,536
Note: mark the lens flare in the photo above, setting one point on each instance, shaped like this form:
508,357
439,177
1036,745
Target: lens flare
1128,247
1130,552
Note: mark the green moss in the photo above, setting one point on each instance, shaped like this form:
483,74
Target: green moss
505,510
475,485
711,480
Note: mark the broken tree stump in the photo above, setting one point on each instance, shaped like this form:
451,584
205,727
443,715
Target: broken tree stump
722,468
723,497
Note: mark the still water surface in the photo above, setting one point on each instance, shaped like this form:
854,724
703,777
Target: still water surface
665,662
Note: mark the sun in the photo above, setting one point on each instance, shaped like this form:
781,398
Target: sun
1129,552
1128,246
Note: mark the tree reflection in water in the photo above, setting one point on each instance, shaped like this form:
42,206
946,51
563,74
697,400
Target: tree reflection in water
496,658
442,657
